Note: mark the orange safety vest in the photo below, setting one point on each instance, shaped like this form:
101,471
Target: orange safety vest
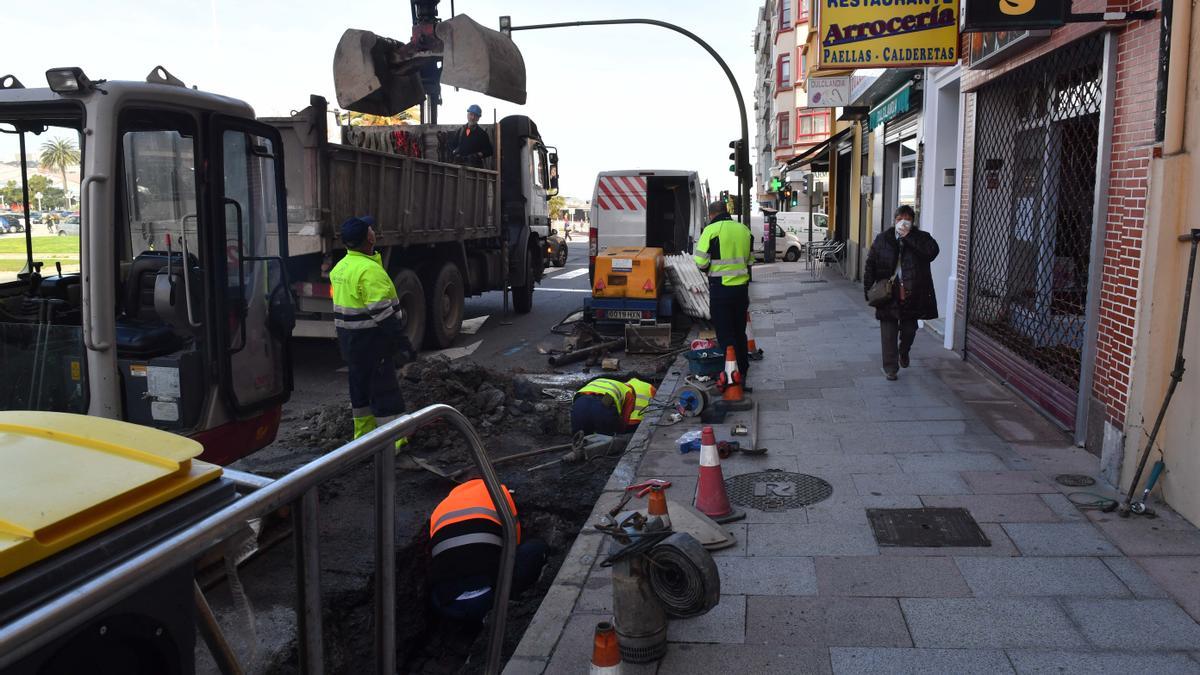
467,502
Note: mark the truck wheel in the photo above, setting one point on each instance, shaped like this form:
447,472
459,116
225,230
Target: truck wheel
412,301
445,316
792,255
523,295
562,256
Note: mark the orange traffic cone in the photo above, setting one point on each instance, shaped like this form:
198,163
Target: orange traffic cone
606,654
711,499
658,507
730,381
752,348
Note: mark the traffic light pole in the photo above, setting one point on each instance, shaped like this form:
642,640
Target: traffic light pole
743,168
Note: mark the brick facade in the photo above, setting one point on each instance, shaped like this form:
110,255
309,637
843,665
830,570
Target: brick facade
1132,147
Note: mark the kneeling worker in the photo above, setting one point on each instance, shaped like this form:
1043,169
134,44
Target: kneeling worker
466,535
610,407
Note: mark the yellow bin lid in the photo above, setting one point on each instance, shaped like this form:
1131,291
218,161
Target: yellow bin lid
65,478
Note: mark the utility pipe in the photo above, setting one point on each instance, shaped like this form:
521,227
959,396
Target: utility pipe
1177,76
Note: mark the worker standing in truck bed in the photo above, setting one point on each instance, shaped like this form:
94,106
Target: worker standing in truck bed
471,144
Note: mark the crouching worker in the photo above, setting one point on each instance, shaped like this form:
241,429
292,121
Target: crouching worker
466,536
610,407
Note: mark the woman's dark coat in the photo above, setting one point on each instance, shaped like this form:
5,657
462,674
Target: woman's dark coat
916,251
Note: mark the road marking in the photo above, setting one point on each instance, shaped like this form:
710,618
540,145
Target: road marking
565,290
570,275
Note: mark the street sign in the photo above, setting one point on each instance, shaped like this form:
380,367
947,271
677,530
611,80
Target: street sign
858,34
1011,15
829,92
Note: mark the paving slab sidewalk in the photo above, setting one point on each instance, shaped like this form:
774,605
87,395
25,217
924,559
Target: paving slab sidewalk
810,590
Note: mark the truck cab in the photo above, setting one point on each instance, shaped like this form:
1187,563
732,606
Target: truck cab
170,308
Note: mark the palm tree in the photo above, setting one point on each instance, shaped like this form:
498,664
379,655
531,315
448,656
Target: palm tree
61,153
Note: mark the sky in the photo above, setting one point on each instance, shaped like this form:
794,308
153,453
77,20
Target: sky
608,97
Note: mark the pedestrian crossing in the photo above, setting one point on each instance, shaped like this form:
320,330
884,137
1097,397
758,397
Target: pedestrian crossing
568,274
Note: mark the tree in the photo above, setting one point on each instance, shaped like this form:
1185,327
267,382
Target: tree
60,153
557,206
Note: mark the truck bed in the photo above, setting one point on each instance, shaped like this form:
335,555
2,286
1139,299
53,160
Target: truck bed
414,200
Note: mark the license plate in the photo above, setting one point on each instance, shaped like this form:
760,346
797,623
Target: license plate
623,314
622,264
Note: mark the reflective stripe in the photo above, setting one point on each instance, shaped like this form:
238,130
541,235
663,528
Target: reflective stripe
354,325
469,511
606,388
702,254
384,314
730,261
643,399
467,540
728,273
351,311
387,302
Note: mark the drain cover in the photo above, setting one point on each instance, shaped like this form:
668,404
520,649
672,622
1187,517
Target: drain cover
776,490
926,527
1074,480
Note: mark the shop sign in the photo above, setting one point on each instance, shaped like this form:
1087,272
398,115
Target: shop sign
985,49
897,104
888,33
1009,15
829,92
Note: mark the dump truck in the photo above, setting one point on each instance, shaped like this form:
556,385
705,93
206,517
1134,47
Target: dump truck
446,231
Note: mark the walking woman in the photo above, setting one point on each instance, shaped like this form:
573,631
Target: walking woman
898,283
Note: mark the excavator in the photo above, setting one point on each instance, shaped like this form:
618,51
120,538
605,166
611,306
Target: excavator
175,310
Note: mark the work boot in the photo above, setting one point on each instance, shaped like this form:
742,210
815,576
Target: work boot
892,377
903,359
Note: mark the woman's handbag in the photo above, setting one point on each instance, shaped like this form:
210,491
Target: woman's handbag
880,292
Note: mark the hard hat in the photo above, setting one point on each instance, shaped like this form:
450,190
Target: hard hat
475,109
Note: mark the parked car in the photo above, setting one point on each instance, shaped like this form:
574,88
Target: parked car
10,223
556,250
70,227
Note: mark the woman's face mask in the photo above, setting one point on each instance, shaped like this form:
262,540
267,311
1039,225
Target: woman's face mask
904,225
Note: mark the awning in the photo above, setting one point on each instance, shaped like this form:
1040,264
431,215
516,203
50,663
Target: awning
817,152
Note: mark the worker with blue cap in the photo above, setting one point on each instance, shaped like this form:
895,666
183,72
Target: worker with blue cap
471,144
370,328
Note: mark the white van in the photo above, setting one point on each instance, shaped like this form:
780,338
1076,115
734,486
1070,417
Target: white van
665,208
791,234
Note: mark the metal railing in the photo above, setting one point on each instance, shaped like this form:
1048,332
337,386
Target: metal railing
57,617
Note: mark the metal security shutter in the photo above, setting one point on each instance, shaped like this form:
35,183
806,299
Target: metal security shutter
897,130
1036,139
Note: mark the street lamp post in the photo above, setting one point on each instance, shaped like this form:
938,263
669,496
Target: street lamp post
743,171
38,197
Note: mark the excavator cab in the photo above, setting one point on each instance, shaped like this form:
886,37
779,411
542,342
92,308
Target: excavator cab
168,306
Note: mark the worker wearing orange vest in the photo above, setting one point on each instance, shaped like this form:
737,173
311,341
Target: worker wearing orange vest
466,538
606,406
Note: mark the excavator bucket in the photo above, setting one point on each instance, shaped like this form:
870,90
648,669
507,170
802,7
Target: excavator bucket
481,59
382,76
370,75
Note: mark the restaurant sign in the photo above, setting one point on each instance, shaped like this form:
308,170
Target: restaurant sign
888,33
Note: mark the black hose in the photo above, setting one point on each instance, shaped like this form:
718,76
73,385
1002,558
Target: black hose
684,576
1176,372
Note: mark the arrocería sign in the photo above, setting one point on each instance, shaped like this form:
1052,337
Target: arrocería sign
889,33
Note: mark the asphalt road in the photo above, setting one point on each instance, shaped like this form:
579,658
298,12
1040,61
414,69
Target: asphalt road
508,343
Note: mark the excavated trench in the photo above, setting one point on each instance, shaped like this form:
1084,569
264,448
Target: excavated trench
512,415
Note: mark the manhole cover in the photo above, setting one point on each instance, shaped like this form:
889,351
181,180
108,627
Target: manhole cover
776,490
926,527
1074,480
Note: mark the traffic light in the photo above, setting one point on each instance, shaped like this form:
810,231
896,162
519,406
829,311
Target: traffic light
739,158
733,156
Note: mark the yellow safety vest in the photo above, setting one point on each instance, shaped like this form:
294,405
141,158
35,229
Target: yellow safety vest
363,293
615,390
643,392
733,257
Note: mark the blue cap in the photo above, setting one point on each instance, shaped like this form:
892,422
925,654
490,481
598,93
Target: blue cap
475,109
354,230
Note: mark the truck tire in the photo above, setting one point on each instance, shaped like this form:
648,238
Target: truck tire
445,308
523,295
412,301
561,259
